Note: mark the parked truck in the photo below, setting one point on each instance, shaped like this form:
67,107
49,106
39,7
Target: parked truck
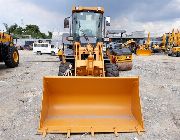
44,48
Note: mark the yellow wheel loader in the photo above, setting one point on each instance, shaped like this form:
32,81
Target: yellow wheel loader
159,46
131,44
174,51
144,50
122,57
174,41
163,44
87,96
8,52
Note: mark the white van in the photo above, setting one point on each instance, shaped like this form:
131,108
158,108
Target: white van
44,48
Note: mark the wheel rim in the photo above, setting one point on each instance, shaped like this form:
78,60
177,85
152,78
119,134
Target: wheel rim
15,57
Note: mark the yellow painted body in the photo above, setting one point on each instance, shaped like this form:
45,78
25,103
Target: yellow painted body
155,47
124,62
91,66
60,53
176,49
118,58
174,43
15,57
5,38
163,47
144,50
123,58
86,104
94,9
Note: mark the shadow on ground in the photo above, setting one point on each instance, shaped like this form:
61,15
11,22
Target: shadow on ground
3,66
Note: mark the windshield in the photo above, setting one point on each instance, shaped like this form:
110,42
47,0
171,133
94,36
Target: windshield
87,24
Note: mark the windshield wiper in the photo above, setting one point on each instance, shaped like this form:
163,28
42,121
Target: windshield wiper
84,35
99,24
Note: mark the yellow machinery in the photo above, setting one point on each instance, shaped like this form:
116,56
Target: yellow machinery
8,52
121,57
176,51
161,47
60,54
174,41
89,97
144,50
156,48
131,44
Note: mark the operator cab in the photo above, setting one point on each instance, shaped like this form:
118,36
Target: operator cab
86,25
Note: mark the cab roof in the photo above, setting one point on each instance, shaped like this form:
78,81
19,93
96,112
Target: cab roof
81,8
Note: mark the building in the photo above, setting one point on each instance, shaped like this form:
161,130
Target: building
122,37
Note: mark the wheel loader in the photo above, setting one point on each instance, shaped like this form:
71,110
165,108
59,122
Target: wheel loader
159,46
131,44
121,56
175,51
8,52
87,96
174,42
144,49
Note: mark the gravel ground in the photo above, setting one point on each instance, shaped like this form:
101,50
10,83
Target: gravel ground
21,91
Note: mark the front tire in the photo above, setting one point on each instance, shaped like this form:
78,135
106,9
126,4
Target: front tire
111,70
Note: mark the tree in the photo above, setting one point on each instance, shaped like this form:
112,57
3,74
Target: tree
19,31
13,28
49,35
6,26
32,30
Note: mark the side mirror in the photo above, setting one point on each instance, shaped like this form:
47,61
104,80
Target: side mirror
108,21
70,38
66,23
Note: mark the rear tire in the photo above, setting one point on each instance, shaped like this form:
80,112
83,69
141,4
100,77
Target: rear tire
169,54
53,53
39,53
12,59
178,54
111,70
60,57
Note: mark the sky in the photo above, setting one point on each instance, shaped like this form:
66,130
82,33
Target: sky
155,16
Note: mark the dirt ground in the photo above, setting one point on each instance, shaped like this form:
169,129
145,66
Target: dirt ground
21,91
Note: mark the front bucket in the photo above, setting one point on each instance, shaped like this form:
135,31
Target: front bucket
143,52
89,104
